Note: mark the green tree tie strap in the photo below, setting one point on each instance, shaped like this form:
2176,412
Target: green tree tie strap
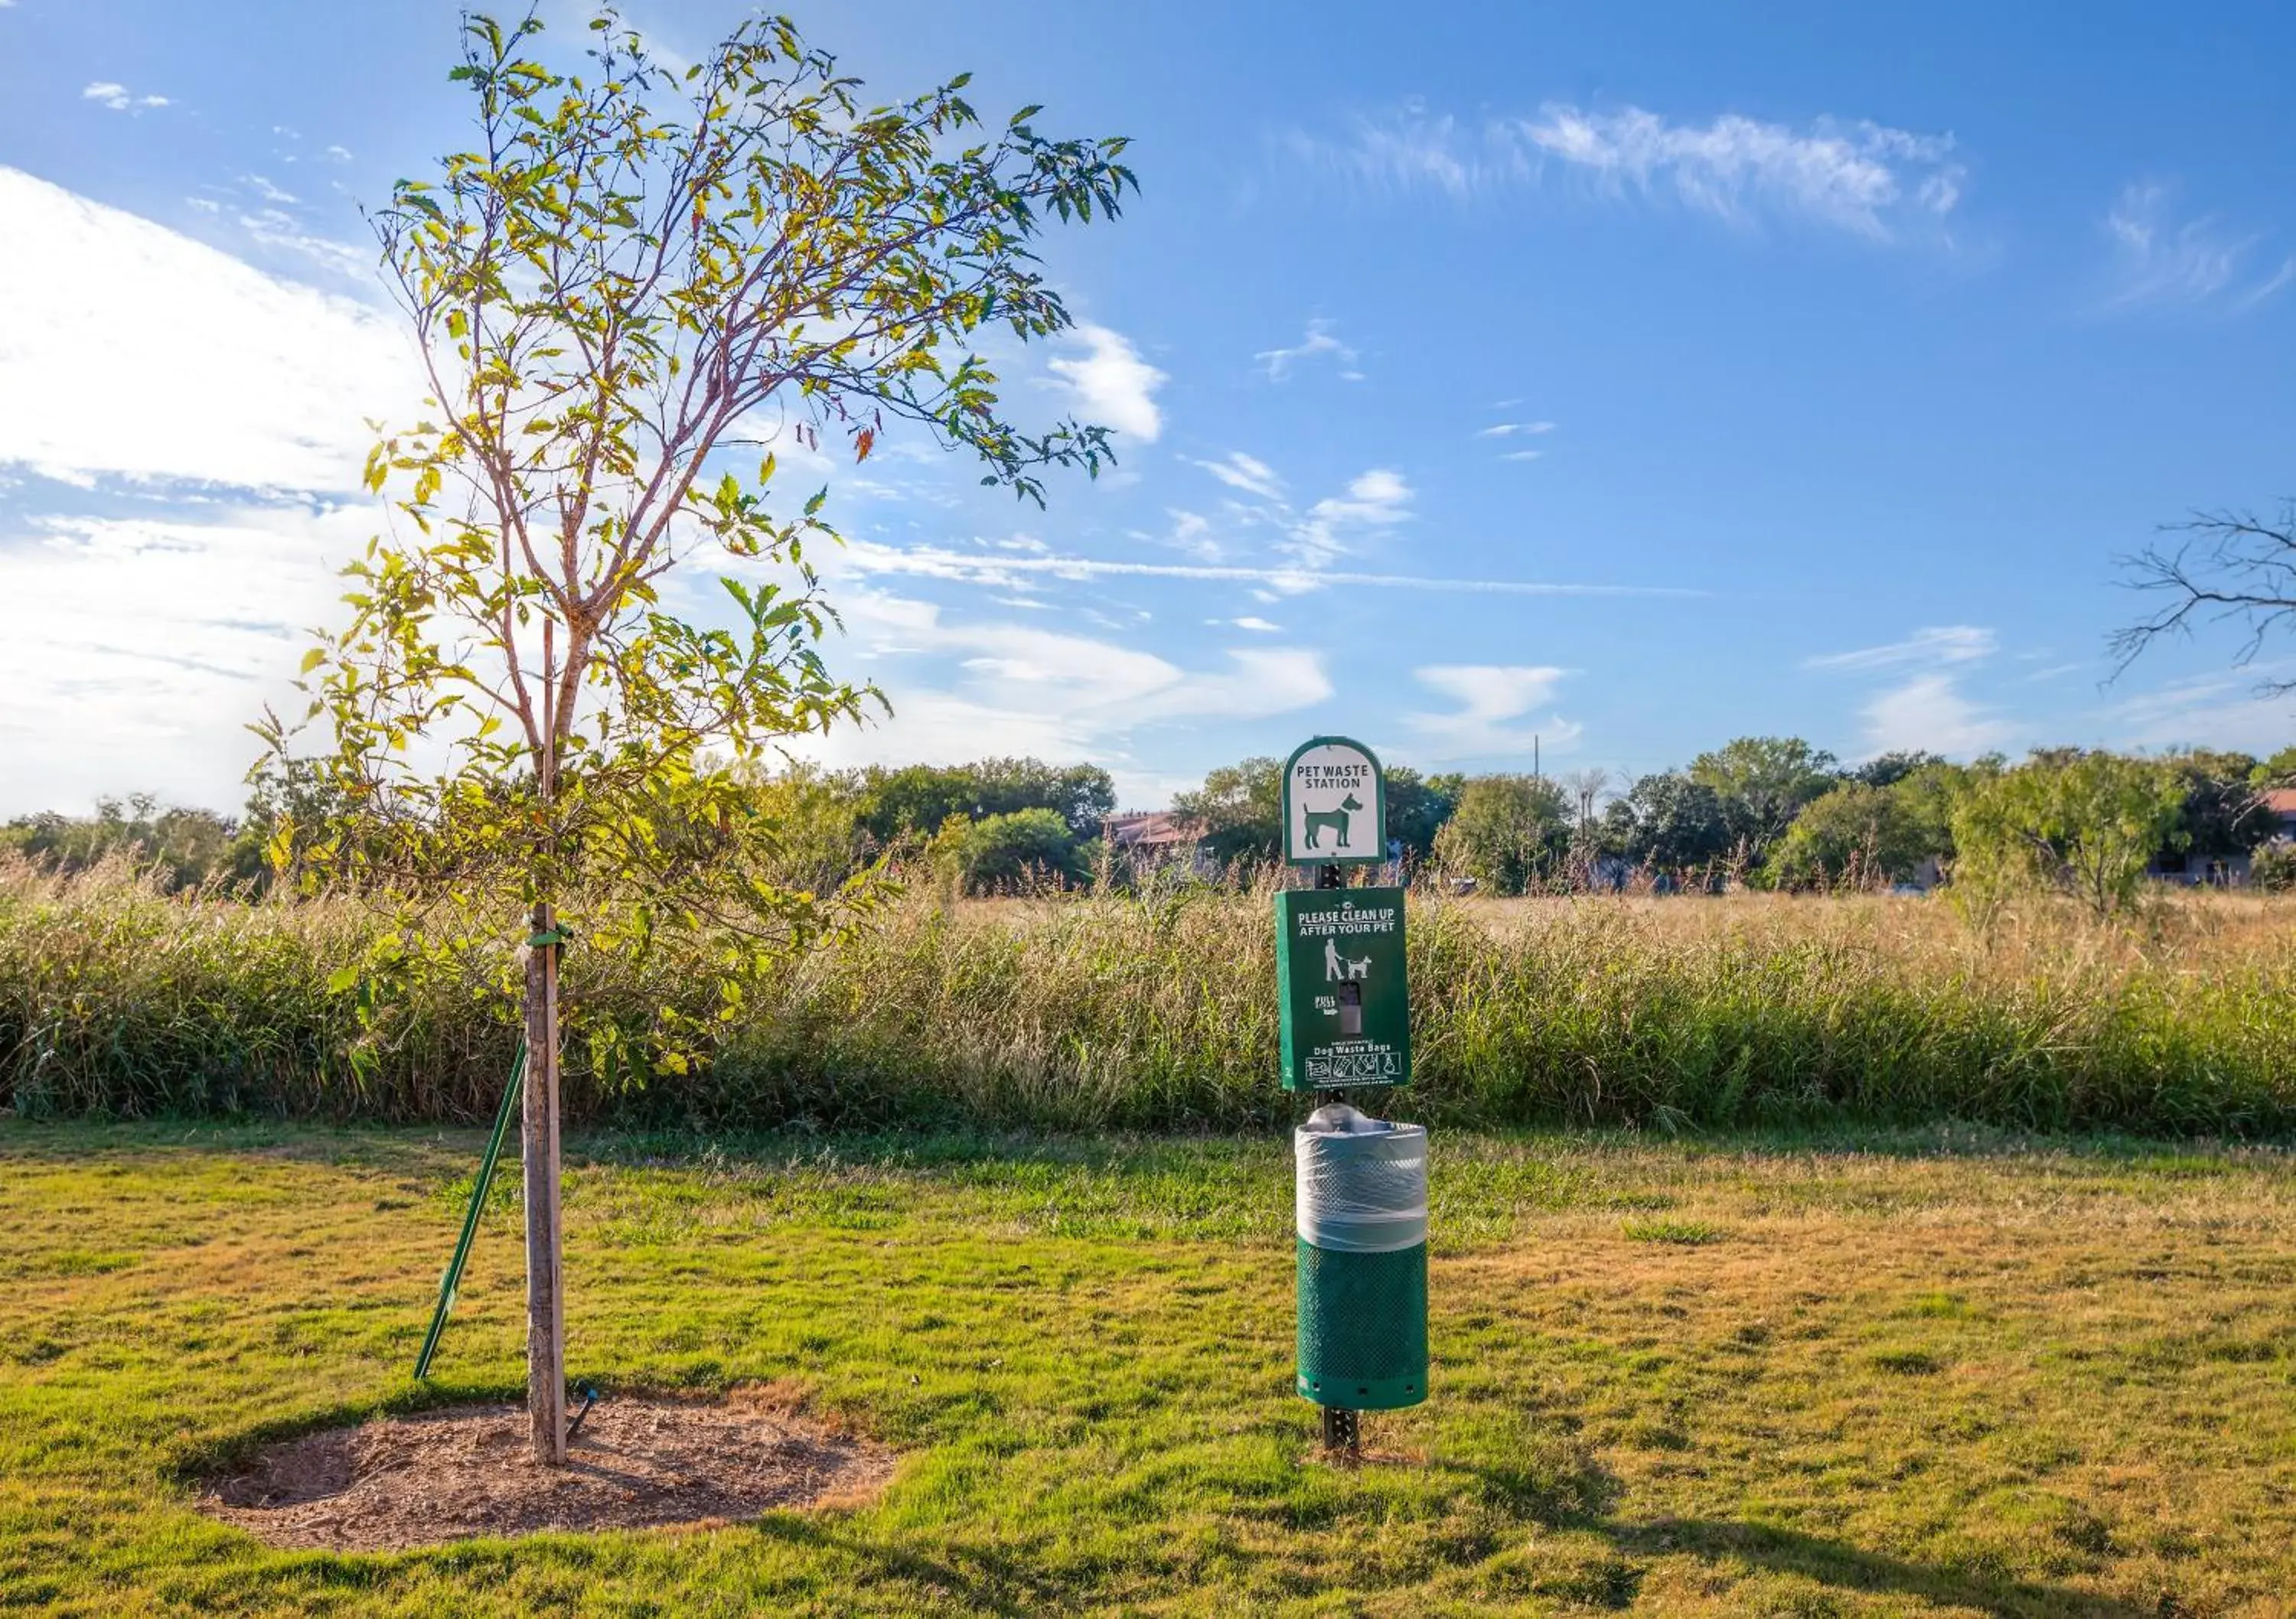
453,1278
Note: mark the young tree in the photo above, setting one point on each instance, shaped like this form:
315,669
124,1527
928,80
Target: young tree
1669,822
2084,823
2223,813
916,798
1507,832
1418,807
632,284
1002,853
1763,782
1857,833
1241,808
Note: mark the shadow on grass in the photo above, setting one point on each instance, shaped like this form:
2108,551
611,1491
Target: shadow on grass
1002,1586
1577,1491
1831,1564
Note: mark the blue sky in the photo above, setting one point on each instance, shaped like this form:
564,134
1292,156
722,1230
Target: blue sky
1823,359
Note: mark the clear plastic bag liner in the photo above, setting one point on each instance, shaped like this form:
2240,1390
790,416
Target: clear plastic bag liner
1361,1183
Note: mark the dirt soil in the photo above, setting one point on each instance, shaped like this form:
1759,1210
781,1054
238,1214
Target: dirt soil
638,1461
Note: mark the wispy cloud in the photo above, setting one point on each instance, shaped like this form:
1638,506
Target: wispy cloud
143,643
276,228
1192,533
1947,644
1861,177
1492,699
2218,710
1278,363
1927,709
1248,473
1114,386
1377,499
118,98
2162,262
1508,429
869,557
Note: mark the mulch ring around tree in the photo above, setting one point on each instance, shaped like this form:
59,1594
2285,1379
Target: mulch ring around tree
638,1461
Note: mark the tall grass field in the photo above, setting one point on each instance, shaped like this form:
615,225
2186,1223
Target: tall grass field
1070,1012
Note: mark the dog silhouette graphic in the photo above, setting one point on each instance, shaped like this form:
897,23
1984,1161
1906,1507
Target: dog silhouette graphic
1334,820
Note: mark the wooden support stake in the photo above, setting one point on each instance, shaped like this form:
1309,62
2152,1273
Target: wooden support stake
545,1304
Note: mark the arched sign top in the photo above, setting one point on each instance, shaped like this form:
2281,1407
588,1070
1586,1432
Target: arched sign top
1335,805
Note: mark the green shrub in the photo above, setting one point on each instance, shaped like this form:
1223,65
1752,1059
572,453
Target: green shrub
2273,867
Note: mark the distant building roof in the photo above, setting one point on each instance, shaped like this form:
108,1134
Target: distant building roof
2280,800
1157,828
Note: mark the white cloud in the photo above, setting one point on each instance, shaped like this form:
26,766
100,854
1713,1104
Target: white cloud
1523,455
1114,386
1858,177
104,92
1248,473
266,189
336,154
1023,689
1258,624
1278,362
2160,262
1929,712
1946,644
1378,496
138,649
1508,429
1489,697
131,350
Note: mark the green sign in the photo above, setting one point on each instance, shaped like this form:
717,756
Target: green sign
1335,805
1338,967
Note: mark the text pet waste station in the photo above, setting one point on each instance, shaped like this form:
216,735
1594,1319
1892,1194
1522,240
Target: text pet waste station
1361,1183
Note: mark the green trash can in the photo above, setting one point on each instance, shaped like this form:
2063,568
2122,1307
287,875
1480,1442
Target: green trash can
1361,1215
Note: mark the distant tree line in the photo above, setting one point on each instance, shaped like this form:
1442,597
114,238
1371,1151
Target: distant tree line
1760,812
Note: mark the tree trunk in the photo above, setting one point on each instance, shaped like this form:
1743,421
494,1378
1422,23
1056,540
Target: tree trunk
546,1305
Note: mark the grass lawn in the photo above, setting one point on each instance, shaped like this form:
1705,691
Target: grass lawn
1921,1373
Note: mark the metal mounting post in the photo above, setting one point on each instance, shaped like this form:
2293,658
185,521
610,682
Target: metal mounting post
1342,1427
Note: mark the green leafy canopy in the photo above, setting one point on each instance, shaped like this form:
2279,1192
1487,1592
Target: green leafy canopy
634,286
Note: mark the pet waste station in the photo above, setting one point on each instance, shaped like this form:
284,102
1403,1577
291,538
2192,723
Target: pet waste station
1360,1186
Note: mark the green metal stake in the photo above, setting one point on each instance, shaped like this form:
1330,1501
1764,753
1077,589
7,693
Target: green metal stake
453,1278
